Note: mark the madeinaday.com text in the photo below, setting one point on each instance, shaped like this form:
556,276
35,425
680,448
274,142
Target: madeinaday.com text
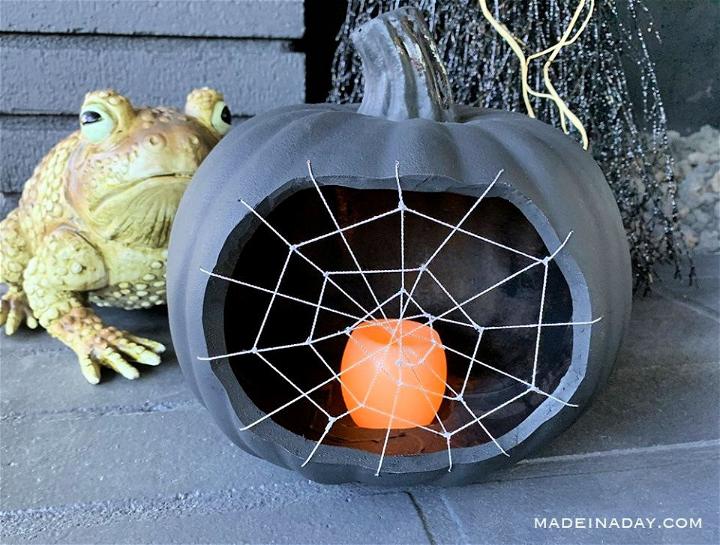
591,523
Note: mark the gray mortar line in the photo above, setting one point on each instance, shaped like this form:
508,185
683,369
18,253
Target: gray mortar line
455,518
423,518
622,452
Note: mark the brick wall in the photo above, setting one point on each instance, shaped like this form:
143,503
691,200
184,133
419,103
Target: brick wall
53,51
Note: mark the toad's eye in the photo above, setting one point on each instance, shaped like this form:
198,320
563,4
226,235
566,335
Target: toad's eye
225,115
96,124
89,116
221,118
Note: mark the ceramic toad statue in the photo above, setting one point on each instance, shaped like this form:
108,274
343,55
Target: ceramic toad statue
94,220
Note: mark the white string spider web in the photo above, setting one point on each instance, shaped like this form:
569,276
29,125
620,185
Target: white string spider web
403,299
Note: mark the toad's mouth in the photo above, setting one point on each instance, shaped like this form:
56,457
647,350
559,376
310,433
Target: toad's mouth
157,184
142,212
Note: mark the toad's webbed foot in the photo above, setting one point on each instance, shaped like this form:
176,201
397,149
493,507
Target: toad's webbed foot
97,345
14,310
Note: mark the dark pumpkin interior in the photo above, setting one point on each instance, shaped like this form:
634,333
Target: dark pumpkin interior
465,267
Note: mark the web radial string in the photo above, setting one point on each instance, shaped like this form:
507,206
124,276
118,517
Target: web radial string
343,238
453,231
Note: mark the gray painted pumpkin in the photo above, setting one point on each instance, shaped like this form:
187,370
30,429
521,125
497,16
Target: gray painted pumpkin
523,393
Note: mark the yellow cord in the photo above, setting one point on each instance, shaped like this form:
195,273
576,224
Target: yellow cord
553,51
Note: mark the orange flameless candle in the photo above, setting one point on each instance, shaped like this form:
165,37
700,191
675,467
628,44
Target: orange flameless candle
393,367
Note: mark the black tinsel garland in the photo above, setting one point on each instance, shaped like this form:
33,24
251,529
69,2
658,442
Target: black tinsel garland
591,75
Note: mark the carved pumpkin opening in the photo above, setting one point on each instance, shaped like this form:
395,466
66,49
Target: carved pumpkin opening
300,324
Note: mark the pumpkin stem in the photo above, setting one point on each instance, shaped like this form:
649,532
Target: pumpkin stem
404,75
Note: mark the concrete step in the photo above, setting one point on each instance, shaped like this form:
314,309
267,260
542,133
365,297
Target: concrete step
283,517
675,483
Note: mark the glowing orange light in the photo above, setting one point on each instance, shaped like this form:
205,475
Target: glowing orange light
393,374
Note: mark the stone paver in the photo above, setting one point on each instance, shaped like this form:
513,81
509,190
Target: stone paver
666,484
703,294
39,375
645,407
267,516
70,460
667,332
141,461
706,266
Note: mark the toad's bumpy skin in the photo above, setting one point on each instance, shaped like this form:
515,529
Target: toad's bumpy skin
94,220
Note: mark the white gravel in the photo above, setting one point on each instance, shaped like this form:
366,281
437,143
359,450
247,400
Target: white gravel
697,167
